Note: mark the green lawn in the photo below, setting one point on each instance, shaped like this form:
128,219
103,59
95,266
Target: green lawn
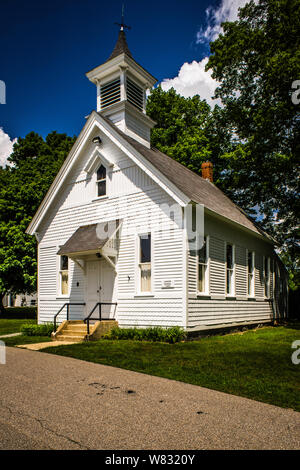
22,339
12,325
256,364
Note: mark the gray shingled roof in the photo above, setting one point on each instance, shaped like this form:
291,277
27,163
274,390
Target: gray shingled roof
192,185
88,238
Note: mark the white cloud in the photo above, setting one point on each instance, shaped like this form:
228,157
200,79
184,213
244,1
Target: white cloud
226,11
192,78
6,147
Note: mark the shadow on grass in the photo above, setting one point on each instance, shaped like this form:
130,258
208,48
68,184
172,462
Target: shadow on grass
292,324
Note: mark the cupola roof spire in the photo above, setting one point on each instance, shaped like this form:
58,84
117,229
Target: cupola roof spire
122,24
121,46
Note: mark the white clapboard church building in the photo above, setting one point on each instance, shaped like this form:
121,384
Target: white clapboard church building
128,233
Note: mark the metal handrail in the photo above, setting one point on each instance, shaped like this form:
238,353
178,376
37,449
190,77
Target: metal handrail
68,311
98,304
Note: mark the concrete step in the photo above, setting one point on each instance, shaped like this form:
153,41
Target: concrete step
68,332
72,333
75,338
75,328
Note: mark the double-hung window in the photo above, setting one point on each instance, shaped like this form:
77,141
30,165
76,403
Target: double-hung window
101,181
250,273
229,269
267,276
64,275
203,268
145,262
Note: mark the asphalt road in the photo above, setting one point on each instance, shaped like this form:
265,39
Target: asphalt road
53,402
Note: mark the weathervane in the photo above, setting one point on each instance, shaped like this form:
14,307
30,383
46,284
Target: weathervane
122,24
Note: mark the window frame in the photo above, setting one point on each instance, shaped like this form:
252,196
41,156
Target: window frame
101,180
60,273
232,293
207,267
140,264
251,294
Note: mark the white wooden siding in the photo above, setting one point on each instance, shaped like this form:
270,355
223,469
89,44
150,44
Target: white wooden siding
192,273
216,308
214,312
47,273
136,199
168,260
49,298
126,266
150,311
135,125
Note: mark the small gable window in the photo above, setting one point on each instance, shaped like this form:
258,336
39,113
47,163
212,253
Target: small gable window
101,181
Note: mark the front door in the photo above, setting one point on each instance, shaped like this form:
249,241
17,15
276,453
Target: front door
100,287
107,289
93,286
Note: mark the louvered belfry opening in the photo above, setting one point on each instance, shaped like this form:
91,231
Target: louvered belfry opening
110,93
135,94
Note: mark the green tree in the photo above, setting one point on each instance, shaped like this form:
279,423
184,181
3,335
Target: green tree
34,164
256,60
186,129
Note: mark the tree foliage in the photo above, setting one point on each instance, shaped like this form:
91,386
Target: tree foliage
257,59
186,129
253,140
34,164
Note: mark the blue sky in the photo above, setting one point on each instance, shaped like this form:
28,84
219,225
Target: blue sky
47,47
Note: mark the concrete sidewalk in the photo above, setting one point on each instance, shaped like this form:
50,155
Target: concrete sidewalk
10,335
47,344
54,402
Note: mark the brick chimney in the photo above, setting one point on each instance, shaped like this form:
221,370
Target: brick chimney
207,171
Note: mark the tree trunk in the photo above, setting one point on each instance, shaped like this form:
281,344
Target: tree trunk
2,308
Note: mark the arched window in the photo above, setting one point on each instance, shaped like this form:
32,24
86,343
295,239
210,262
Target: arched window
101,180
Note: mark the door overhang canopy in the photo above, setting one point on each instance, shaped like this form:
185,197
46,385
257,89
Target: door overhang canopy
100,238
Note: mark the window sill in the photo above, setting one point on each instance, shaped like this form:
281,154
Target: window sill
100,198
203,294
146,294
62,296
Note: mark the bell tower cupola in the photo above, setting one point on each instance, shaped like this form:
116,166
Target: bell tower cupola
121,90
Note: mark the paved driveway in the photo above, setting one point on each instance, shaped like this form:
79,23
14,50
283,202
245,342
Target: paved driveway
53,402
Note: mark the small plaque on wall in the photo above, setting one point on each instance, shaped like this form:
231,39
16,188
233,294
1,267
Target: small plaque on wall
167,284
